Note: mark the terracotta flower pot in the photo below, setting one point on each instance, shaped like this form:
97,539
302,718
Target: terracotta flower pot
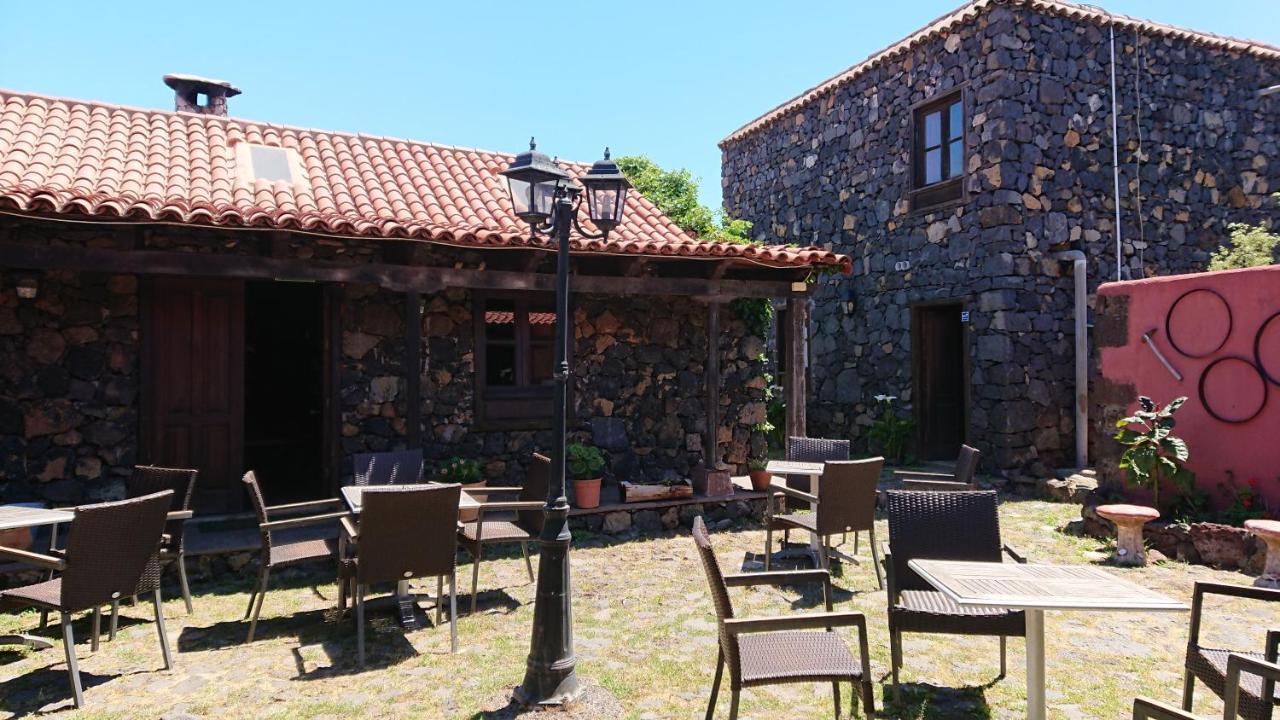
470,515
760,479
586,493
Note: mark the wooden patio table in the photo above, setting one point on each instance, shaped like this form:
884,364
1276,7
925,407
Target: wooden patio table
405,599
1035,589
17,517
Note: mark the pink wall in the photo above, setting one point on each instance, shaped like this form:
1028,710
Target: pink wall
1233,388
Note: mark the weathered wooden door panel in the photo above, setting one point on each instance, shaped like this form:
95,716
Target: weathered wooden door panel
193,342
941,380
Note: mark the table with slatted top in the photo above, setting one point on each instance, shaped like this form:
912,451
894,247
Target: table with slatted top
18,517
1035,589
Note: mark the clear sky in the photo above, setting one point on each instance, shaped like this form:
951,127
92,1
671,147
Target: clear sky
667,79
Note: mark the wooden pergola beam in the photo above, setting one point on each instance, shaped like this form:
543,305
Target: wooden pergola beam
797,370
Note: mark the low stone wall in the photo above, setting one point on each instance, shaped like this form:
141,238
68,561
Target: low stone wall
1205,543
717,514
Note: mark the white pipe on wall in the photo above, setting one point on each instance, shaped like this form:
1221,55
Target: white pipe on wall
1115,151
1079,271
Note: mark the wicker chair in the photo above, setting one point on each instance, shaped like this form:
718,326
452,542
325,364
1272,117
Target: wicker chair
937,486
526,526
275,555
942,526
112,551
784,649
1148,709
1240,671
405,532
966,469
387,468
147,479
815,450
1209,665
847,504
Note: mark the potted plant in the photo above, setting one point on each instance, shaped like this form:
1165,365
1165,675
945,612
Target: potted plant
465,472
891,431
757,468
1152,453
584,464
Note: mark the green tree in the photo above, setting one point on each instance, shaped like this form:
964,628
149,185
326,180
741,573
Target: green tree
1250,246
675,192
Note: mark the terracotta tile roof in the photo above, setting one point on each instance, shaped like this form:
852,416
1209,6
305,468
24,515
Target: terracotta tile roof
972,9
93,159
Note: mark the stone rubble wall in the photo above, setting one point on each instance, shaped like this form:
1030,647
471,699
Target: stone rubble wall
837,173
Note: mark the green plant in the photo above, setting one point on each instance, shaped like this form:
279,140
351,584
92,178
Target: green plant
1250,246
1152,452
584,462
755,313
460,470
758,463
1246,502
890,430
776,414
675,192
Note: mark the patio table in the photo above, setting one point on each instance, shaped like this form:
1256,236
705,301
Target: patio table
1035,589
17,517
793,467
405,599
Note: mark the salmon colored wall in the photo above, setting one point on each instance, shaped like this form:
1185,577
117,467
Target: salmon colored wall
1251,449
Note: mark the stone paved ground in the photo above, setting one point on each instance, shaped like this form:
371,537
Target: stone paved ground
646,642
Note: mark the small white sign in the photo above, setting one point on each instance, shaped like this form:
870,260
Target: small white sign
964,316
902,265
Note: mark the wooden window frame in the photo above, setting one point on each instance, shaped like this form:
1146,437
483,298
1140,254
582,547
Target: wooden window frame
516,407
950,189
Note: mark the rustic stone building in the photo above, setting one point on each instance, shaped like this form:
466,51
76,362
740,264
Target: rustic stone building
185,288
956,164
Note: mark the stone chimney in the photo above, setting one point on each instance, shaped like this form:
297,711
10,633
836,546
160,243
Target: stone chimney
188,90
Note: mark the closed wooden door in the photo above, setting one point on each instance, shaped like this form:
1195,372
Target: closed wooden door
193,354
941,380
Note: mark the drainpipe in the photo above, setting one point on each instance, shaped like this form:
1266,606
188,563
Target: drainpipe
1077,259
1115,146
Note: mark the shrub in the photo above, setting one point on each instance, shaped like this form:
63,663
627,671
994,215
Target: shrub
583,462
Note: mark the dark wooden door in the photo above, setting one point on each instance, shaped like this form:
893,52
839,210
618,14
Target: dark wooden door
193,351
941,380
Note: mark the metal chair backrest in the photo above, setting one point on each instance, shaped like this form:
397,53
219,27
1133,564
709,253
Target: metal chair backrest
536,481
967,464
402,467
719,591
847,502
937,486
407,531
147,479
807,449
251,486
940,526
110,547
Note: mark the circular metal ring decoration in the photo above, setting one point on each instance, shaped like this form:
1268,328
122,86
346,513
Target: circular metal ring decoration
1226,378
1274,377
1213,304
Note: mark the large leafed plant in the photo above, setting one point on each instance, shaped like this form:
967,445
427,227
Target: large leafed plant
1152,452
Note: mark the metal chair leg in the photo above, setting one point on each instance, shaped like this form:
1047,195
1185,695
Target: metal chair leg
439,597
768,547
895,655
524,548
875,557
1003,655
835,695
453,611
475,576
856,535
733,704
253,593
73,669
1188,689
115,617
182,578
715,683
257,609
342,597
360,624
164,637
97,629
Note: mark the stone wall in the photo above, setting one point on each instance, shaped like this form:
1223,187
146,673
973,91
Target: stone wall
1196,149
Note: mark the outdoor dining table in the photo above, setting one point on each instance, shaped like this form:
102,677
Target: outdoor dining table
406,600
1035,589
784,468
20,517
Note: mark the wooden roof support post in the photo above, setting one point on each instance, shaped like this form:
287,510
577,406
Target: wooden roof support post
711,441
797,364
413,368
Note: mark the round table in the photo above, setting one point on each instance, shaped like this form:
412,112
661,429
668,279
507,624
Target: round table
1129,520
1269,532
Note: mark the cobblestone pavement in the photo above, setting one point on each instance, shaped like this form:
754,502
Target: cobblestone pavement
645,644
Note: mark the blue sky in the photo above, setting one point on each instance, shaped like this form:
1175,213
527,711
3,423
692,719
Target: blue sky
668,79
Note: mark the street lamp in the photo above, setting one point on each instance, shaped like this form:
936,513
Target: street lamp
546,197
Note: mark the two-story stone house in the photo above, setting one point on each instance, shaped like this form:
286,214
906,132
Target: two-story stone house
957,164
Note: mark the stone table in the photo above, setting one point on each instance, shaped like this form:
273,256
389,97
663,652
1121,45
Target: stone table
1129,520
1269,532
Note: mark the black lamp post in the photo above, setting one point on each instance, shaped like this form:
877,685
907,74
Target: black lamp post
547,198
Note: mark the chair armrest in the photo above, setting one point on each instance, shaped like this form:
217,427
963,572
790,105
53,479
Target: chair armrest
487,490
1145,709
792,492
302,521
919,475
1210,588
1013,552
512,505
806,621
349,529
179,515
298,506
777,577
47,562
1237,664
1272,651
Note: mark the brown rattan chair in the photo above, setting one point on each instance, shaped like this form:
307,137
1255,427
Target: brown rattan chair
525,527
1148,709
1241,670
783,649
942,526
275,555
966,470
387,468
112,551
1209,665
814,450
937,486
147,479
405,532
847,504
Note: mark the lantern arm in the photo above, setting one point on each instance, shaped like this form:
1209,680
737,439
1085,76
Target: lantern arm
601,235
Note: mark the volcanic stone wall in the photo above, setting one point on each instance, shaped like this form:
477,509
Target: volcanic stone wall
1197,149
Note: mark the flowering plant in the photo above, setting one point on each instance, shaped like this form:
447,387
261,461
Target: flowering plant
1246,502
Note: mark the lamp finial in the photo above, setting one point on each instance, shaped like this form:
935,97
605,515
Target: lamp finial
533,144
606,152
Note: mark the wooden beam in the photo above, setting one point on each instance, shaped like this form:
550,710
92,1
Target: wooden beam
413,368
797,369
636,267
398,278
720,269
711,456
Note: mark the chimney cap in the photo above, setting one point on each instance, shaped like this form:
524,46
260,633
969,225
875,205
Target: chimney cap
209,86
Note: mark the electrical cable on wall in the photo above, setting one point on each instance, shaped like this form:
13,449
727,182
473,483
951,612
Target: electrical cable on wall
1139,67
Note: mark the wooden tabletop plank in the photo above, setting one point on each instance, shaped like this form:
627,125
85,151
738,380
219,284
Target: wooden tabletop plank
351,495
18,516
1039,587
792,467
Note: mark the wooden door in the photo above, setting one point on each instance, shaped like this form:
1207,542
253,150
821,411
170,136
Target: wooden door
941,380
193,355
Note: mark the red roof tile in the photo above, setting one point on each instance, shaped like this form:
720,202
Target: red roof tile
94,159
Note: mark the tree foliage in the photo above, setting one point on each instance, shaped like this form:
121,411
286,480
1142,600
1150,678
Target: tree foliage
1250,246
675,192
1152,453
